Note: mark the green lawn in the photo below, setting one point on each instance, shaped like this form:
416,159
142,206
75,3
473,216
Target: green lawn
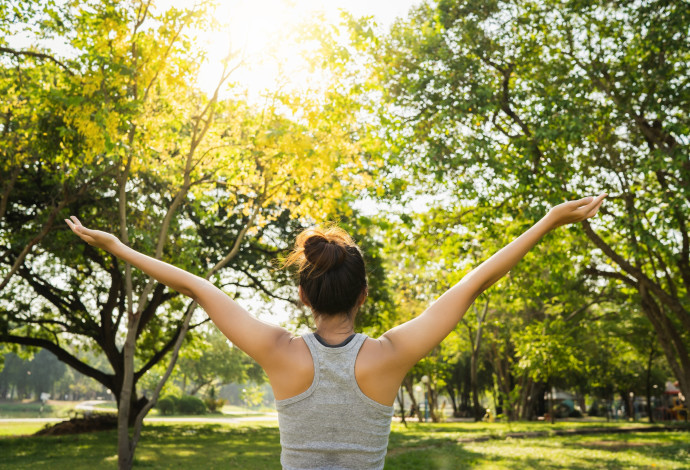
66,409
420,446
54,409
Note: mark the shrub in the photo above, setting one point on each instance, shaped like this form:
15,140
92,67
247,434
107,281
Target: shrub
167,405
190,405
214,405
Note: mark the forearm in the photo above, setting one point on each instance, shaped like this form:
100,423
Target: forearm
177,279
493,269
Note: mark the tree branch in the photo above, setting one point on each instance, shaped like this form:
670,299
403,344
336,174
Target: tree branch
258,283
63,355
642,279
37,55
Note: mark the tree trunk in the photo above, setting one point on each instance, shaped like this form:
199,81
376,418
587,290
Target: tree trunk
478,411
465,392
125,451
672,343
650,411
407,383
476,407
628,403
526,389
432,405
656,304
400,396
451,393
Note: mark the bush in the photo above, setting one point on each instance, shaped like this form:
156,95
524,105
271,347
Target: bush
167,405
214,405
190,405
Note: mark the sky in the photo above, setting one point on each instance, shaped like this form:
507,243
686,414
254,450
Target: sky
258,28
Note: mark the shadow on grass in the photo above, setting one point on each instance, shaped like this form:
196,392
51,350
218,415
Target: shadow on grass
257,446
414,450
210,446
207,446
669,447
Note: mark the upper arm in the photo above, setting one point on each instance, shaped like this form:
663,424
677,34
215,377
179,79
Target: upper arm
406,344
263,341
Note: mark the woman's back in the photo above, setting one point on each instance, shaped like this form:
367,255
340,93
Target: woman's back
333,424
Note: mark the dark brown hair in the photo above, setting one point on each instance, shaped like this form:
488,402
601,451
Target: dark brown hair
331,269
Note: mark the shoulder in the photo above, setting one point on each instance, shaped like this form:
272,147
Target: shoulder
291,370
377,372
376,353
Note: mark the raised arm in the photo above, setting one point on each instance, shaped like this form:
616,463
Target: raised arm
408,343
259,339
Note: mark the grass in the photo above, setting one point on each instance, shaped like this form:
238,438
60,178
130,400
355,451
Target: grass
19,429
53,409
66,409
436,447
420,446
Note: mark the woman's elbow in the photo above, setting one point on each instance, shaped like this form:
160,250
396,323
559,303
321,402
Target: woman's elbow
197,289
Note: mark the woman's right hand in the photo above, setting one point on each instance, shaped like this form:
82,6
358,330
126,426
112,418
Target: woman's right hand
95,238
575,211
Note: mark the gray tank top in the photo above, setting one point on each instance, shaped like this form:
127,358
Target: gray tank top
333,425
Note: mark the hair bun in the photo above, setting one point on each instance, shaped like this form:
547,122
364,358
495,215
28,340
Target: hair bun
331,269
323,254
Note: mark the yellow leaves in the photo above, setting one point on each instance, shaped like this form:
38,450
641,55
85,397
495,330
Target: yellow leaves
89,87
82,119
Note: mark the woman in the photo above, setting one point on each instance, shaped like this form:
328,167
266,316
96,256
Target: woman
335,389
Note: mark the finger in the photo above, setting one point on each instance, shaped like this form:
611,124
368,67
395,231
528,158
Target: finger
581,202
594,210
75,228
596,202
81,230
601,197
592,203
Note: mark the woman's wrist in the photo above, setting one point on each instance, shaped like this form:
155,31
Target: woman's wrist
117,248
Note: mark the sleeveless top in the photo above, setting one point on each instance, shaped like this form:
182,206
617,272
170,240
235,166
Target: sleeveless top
333,424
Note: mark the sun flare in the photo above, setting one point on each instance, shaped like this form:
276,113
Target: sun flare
266,34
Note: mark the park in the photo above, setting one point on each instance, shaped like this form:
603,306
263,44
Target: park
502,186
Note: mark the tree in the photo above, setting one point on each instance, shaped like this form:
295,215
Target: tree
118,133
523,104
35,376
211,362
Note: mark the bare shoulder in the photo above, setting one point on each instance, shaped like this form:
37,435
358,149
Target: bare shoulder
376,353
291,370
290,352
376,371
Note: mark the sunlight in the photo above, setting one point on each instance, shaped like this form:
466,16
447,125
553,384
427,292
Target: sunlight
266,33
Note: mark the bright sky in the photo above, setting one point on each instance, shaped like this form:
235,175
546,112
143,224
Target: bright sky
260,28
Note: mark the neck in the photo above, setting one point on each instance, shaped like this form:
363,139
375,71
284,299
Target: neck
334,329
